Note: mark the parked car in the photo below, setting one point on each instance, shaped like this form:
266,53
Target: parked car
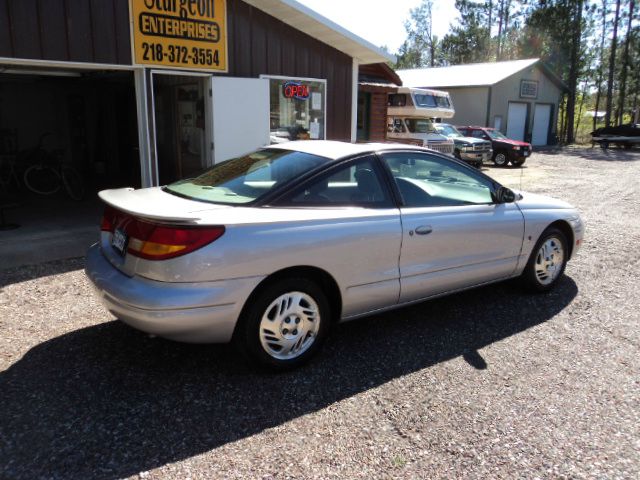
269,250
505,150
470,149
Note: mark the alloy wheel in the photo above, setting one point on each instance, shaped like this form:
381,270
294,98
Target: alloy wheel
289,325
549,261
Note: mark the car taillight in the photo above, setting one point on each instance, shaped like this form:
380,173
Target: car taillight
108,219
154,241
160,242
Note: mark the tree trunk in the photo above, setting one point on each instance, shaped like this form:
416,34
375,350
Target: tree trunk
612,66
600,63
573,69
625,65
500,16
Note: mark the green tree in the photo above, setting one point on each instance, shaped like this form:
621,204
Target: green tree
470,41
422,47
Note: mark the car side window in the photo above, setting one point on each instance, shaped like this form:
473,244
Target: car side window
478,134
429,181
357,183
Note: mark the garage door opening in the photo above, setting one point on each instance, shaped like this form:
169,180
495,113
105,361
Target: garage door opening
64,135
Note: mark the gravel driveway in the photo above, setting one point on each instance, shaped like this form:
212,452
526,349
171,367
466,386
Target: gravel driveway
487,383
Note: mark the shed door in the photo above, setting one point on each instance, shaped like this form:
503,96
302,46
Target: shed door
516,120
541,118
240,116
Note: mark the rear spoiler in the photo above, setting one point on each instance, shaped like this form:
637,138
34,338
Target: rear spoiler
151,203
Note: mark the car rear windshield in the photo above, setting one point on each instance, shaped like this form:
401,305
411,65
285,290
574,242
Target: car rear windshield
246,179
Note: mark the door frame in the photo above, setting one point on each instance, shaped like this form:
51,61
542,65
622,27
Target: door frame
533,122
526,119
208,120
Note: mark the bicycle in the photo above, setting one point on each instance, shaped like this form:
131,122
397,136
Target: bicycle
49,173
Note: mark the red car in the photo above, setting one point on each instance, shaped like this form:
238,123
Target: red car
505,150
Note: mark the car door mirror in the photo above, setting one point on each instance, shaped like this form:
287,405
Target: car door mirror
504,195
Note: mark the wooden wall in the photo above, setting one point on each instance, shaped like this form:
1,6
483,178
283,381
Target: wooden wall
97,31
378,117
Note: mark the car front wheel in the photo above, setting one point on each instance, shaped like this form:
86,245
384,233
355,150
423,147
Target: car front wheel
285,324
547,262
500,159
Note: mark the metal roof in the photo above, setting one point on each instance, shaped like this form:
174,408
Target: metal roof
315,25
471,75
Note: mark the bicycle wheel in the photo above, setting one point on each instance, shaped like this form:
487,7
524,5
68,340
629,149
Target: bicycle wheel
42,179
73,183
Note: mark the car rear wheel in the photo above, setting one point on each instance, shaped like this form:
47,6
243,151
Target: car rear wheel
500,159
547,262
285,324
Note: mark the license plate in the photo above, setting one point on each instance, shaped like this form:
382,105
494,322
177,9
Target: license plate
526,153
119,241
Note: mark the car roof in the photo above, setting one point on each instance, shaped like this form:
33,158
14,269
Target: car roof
336,150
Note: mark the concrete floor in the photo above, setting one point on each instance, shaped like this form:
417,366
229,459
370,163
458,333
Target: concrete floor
51,228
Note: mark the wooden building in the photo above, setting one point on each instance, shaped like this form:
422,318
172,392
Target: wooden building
375,82
142,92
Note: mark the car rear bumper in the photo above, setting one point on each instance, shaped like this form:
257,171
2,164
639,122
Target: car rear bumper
203,312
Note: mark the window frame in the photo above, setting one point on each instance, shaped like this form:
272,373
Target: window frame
378,169
468,169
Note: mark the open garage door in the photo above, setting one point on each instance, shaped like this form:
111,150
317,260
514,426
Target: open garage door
516,120
541,119
240,116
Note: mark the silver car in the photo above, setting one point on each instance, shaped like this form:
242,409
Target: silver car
272,248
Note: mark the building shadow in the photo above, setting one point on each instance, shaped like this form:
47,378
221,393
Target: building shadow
613,154
108,402
26,272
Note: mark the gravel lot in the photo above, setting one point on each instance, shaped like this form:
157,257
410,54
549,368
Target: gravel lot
488,383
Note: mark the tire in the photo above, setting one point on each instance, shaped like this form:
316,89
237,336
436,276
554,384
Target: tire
42,180
500,159
547,261
73,183
292,314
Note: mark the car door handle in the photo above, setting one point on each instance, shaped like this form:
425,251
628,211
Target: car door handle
424,229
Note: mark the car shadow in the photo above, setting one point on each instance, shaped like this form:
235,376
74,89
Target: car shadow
109,402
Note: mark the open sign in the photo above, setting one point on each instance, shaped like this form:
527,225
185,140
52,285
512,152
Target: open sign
295,90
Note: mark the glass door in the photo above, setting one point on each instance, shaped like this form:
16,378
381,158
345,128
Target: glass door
182,122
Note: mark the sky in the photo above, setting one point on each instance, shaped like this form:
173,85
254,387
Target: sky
381,22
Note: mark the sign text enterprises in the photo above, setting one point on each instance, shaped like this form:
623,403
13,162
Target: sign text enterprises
185,34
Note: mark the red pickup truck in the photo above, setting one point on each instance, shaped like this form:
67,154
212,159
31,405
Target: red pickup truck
505,150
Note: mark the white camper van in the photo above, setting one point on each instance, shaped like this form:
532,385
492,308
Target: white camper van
410,116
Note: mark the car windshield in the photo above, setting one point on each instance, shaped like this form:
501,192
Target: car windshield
495,134
448,131
419,125
248,178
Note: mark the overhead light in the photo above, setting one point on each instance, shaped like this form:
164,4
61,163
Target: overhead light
49,73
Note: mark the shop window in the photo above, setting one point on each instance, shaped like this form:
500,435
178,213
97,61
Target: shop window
297,109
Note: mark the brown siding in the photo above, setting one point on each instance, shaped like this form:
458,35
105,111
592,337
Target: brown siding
378,117
261,44
97,31
94,31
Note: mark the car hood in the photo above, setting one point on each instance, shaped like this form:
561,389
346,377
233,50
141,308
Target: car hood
508,141
471,140
534,201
